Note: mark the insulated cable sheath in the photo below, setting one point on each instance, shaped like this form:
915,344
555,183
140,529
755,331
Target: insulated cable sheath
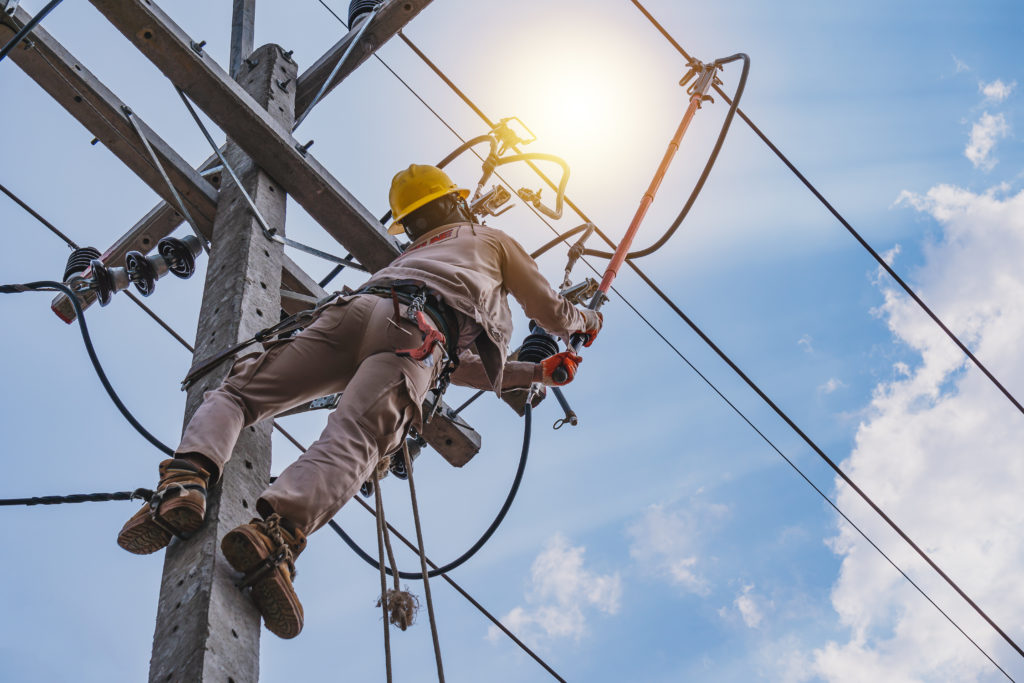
48,285
498,519
712,158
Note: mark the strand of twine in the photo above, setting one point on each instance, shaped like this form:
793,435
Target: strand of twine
383,575
423,561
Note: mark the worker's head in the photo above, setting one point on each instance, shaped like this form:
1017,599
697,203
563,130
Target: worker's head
422,198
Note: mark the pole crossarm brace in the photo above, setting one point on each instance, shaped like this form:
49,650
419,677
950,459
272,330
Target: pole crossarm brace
93,105
266,141
98,109
389,20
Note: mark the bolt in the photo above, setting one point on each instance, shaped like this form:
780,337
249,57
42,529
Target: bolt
304,148
288,54
251,63
283,85
198,47
94,141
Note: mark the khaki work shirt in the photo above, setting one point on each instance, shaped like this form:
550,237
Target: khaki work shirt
474,268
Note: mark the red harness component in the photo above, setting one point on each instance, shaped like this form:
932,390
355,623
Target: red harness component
431,336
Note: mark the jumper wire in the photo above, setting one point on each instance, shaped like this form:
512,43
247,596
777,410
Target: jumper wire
736,368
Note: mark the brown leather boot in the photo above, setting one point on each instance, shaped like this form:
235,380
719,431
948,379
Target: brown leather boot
176,509
265,551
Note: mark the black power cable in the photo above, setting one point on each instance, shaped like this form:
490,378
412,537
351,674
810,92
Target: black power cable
527,423
137,494
582,215
782,414
27,28
699,185
50,286
849,228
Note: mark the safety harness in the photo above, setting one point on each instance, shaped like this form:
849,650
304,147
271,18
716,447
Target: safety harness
435,320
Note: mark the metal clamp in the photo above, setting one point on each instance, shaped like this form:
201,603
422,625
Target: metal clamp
490,204
508,137
581,292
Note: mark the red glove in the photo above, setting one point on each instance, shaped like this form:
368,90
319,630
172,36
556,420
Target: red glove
592,334
566,360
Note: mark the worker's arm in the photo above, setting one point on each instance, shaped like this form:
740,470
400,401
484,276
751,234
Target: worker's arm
515,383
540,302
471,373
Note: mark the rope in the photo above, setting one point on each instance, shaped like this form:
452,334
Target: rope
146,492
383,578
137,494
584,217
905,287
401,605
423,560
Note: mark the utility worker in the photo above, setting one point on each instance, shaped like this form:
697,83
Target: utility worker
385,345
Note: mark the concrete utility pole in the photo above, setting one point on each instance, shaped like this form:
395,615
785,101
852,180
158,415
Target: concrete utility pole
206,629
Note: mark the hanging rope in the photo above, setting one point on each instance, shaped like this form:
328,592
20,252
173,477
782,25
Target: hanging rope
401,606
423,559
382,603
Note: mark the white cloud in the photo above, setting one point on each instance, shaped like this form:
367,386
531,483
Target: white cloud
996,91
747,604
940,451
665,543
806,342
561,591
960,65
985,134
831,385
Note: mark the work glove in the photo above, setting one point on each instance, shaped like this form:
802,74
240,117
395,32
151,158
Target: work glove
567,360
592,333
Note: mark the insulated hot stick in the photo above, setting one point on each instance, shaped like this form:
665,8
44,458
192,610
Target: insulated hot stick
705,74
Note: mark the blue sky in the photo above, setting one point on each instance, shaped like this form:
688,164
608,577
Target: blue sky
660,540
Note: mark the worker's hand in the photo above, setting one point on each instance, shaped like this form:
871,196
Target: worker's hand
567,360
592,333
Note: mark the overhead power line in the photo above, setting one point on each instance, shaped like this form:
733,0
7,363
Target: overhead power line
846,224
790,422
145,494
743,375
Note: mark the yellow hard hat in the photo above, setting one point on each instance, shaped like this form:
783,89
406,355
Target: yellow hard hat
416,186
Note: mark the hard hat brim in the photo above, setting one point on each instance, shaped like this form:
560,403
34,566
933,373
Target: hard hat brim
396,227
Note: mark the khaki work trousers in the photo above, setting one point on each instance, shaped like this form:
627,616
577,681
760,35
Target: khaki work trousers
350,348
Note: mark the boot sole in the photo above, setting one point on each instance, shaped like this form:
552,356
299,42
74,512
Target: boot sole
142,536
274,597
